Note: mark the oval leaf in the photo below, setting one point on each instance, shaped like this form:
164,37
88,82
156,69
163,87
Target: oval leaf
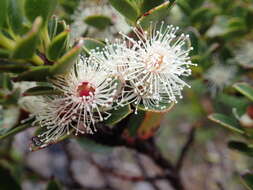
226,122
118,115
125,8
155,14
98,21
245,89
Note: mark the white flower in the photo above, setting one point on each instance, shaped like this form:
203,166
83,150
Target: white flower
244,55
162,60
88,93
218,77
116,58
101,8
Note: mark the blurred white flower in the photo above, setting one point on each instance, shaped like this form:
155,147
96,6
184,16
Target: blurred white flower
219,76
96,8
87,94
156,75
244,55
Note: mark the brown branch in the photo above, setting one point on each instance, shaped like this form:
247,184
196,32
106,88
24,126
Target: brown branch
185,149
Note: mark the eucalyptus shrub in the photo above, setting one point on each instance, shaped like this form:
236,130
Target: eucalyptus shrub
104,73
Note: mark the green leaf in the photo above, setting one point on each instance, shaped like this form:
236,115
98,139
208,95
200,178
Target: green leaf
118,115
241,147
5,81
98,21
8,182
39,73
155,14
41,90
15,130
53,185
147,5
67,60
3,12
93,147
245,89
15,15
25,47
4,53
13,67
43,8
134,123
92,44
58,46
226,122
247,180
125,8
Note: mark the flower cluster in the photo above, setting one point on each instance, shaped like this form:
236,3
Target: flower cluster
96,8
145,71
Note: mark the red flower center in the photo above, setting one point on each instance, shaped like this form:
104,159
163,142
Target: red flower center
85,89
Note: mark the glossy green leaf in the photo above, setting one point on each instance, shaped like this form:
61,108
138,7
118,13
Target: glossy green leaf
53,185
67,60
25,47
41,90
247,180
58,46
39,73
233,101
125,8
93,147
15,15
118,115
241,147
226,122
8,182
155,14
245,89
98,21
3,12
92,44
148,5
43,8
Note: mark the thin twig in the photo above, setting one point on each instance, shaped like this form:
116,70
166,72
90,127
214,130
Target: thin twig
185,149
